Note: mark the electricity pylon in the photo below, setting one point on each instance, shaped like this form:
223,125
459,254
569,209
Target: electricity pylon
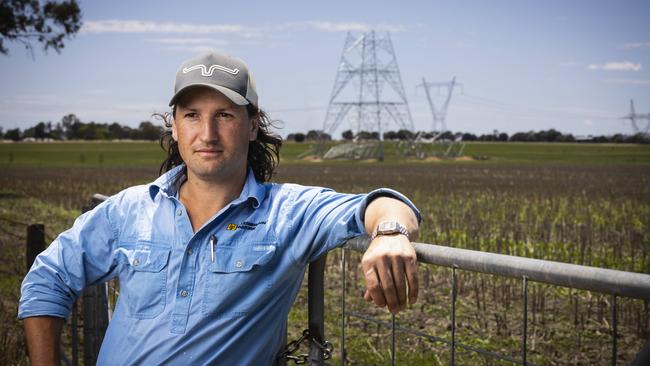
368,90
439,114
634,117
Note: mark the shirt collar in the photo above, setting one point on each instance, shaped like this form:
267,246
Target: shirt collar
253,189
170,182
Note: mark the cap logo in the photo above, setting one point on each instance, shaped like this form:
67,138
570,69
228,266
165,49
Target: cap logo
208,72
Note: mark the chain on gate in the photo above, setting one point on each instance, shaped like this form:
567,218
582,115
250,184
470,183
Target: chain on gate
293,346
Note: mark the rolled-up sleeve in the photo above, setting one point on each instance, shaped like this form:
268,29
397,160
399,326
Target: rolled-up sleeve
327,219
384,192
78,257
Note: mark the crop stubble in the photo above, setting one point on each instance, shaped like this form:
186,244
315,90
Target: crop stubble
594,215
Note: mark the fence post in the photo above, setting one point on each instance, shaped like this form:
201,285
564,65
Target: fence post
315,309
95,320
35,243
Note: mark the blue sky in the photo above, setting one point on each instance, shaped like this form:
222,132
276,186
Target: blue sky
524,65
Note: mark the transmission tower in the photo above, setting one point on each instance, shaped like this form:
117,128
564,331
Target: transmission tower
439,114
634,117
368,91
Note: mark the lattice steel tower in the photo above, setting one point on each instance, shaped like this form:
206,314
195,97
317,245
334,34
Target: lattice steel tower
634,117
439,114
368,91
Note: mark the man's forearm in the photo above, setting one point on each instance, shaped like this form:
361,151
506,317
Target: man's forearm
391,209
43,334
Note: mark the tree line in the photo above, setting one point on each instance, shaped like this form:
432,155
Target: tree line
71,128
551,135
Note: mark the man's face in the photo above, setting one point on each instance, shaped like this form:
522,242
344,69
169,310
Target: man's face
213,134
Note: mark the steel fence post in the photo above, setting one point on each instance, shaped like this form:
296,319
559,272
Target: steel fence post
316,296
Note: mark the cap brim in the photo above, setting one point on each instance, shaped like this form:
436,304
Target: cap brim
230,94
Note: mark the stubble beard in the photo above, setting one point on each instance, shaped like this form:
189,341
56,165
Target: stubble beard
218,169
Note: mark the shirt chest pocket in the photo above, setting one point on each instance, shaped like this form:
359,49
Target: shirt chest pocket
239,279
144,284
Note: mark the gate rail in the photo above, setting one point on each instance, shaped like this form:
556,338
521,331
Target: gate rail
608,281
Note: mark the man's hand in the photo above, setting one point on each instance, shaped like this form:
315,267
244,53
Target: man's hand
390,268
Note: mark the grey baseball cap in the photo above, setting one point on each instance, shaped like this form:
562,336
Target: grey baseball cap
226,74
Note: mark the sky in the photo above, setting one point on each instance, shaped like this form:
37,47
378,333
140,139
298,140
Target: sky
523,65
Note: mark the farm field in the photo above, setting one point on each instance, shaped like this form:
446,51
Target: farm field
100,154
584,204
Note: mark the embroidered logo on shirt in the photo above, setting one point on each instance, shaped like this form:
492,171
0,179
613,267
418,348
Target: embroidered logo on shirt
247,225
232,227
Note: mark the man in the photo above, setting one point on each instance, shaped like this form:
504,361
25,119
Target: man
210,258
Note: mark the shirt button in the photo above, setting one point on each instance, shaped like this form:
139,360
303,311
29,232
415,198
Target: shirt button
184,293
190,251
136,262
239,264
179,212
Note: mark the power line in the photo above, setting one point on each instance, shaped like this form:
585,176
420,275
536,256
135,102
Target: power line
513,110
298,109
509,107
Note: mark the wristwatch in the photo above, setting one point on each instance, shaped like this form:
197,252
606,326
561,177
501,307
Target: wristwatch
389,228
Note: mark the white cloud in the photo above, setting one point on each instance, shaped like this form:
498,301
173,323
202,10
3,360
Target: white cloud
588,122
629,81
197,38
332,26
192,48
141,26
617,66
633,45
245,31
59,105
194,45
328,26
190,41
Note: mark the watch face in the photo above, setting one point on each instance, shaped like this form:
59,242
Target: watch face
388,227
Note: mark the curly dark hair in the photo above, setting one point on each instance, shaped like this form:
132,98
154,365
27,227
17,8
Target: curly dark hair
263,153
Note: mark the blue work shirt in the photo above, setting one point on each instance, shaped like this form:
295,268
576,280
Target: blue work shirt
183,300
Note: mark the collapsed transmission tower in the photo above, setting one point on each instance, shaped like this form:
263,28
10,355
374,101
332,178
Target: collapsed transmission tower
439,114
368,64
634,117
